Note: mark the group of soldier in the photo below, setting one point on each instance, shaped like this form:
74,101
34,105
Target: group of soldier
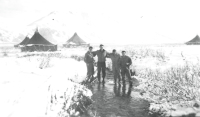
120,64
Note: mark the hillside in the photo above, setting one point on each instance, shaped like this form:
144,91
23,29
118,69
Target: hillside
58,27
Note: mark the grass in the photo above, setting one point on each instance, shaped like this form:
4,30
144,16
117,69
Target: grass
79,99
165,85
175,85
72,100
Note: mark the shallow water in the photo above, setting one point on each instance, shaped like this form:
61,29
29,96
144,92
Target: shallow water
112,100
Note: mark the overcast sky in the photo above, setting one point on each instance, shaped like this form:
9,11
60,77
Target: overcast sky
149,21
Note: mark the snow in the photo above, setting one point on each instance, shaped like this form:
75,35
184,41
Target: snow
24,86
175,57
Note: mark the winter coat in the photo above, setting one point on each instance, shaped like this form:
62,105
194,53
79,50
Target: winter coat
115,60
89,57
101,55
125,62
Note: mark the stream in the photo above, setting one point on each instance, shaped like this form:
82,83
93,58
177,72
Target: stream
118,100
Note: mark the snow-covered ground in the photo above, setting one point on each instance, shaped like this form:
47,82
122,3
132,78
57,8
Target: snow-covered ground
164,77
24,85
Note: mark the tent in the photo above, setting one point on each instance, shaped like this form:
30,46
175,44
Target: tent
71,43
194,41
23,43
39,43
76,39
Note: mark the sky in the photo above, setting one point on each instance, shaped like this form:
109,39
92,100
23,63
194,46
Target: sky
138,21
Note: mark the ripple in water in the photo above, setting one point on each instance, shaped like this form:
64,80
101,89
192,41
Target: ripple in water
118,101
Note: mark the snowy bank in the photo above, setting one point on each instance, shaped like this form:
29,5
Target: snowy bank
28,90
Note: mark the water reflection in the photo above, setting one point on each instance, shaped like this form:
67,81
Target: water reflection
117,100
101,87
117,90
118,93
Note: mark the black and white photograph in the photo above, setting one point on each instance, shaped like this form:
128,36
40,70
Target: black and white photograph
99,58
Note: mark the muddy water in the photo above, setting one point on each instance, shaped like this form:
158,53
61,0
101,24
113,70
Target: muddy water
119,100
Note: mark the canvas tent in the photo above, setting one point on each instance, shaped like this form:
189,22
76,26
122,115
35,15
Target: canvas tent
75,40
194,41
71,43
24,42
39,43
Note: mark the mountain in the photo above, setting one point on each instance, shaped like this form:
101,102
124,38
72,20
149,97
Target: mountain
4,36
8,36
58,27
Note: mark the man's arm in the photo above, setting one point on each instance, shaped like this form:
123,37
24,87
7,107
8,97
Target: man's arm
94,53
85,58
120,62
108,55
129,61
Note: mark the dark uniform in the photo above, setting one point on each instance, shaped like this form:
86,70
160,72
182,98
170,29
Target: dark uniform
101,64
125,63
115,65
89,60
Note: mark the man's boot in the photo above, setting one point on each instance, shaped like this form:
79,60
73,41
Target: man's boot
123,81
119,81
99,79
115,80
130,83
103,80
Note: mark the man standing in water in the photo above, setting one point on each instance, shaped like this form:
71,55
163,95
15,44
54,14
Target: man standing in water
125,62
101,64
115,57
89,60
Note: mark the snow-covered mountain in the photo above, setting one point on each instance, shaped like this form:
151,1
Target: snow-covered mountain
4,35
58,27
10,36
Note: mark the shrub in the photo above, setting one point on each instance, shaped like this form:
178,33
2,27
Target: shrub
5,51
45,62
69,100
175,86
77,57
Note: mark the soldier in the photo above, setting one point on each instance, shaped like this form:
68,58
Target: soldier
101,64
115,57
125,62
89,60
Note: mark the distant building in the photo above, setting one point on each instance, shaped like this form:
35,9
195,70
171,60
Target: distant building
23,43
194,41
74,41
38,43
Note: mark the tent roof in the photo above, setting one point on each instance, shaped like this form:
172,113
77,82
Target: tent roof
194,40
38,39
25,41
76,39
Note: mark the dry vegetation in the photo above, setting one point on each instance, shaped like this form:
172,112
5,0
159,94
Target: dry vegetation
61,68
171,82
168,85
